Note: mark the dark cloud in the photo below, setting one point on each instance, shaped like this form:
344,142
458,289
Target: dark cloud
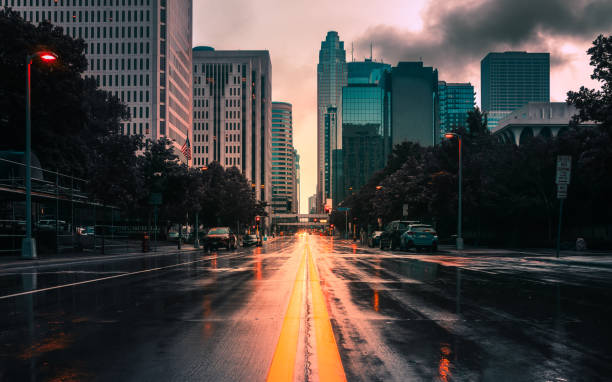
455,37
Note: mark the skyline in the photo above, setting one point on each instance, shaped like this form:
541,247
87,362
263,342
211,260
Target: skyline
399,31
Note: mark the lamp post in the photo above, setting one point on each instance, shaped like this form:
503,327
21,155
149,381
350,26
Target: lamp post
459,237
28,246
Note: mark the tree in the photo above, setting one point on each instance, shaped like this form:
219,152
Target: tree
596,105
69,113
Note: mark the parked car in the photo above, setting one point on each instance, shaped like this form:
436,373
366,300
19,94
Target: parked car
374,239
250,240
220,237
173,236
390,238
419,236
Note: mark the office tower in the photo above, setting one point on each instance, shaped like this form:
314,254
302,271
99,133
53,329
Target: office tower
232,113
296,176
312,204
138,50
331,77
365,124
456,100
414,104
510,80
284,182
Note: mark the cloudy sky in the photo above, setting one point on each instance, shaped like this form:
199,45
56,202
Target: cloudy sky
452,36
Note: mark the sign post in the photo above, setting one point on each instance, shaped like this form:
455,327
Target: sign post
346,210
564,169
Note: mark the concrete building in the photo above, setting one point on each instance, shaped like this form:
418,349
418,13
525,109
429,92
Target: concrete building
365,125
510,80
138,50
414,104
456,100
331,77
312,204
284,167
296,176
544,119
232,113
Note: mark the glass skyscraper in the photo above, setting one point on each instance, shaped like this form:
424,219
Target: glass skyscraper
284,168
331,77
365,125
415,104
510,80
456,100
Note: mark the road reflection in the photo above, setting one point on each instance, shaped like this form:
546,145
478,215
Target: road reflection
257,261
444,365
376,303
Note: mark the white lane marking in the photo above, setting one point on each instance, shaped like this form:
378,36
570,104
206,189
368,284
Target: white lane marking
106,278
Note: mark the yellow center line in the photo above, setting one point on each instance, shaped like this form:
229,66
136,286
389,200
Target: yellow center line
283,361
328,357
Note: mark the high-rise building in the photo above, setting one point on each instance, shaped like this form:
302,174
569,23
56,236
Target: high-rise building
414,104
296,176
312,204
510,80
140,52
232,113
284,182
365,124
456,100
331,77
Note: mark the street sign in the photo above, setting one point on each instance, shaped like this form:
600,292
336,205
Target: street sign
343,209
405,210
561,191
564,168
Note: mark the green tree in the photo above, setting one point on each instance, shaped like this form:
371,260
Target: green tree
69,113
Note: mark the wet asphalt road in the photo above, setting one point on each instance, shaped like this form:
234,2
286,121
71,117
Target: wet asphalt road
395,317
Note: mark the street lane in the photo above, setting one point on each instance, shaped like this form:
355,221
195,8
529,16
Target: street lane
400,316
385,315
216,319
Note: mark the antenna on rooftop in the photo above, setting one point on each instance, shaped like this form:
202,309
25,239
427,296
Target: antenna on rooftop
352,50
370,51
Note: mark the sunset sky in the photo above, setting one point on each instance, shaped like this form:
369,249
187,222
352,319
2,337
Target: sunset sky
452,36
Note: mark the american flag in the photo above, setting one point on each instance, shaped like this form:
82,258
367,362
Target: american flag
186,149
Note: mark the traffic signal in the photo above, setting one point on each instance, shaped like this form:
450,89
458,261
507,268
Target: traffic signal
257,218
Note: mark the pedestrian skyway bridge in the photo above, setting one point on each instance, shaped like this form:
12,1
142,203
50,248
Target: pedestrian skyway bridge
300,220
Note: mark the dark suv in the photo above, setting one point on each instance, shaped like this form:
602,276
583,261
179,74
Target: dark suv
219,237
390,238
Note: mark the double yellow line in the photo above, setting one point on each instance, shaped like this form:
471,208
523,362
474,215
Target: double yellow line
328,358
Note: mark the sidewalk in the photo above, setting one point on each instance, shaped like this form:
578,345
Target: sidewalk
47,260
567,257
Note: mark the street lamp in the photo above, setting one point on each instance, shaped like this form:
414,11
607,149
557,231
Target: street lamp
28,246
459,238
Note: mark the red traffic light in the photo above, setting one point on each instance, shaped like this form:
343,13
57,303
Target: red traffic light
256,218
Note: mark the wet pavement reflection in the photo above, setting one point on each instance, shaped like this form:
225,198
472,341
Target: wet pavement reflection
431,317
395,316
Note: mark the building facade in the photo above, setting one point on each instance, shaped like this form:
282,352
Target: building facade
414,104
456,100
331,77
140,51
536,119
365,124
510,80
284,166
232,113
312,204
